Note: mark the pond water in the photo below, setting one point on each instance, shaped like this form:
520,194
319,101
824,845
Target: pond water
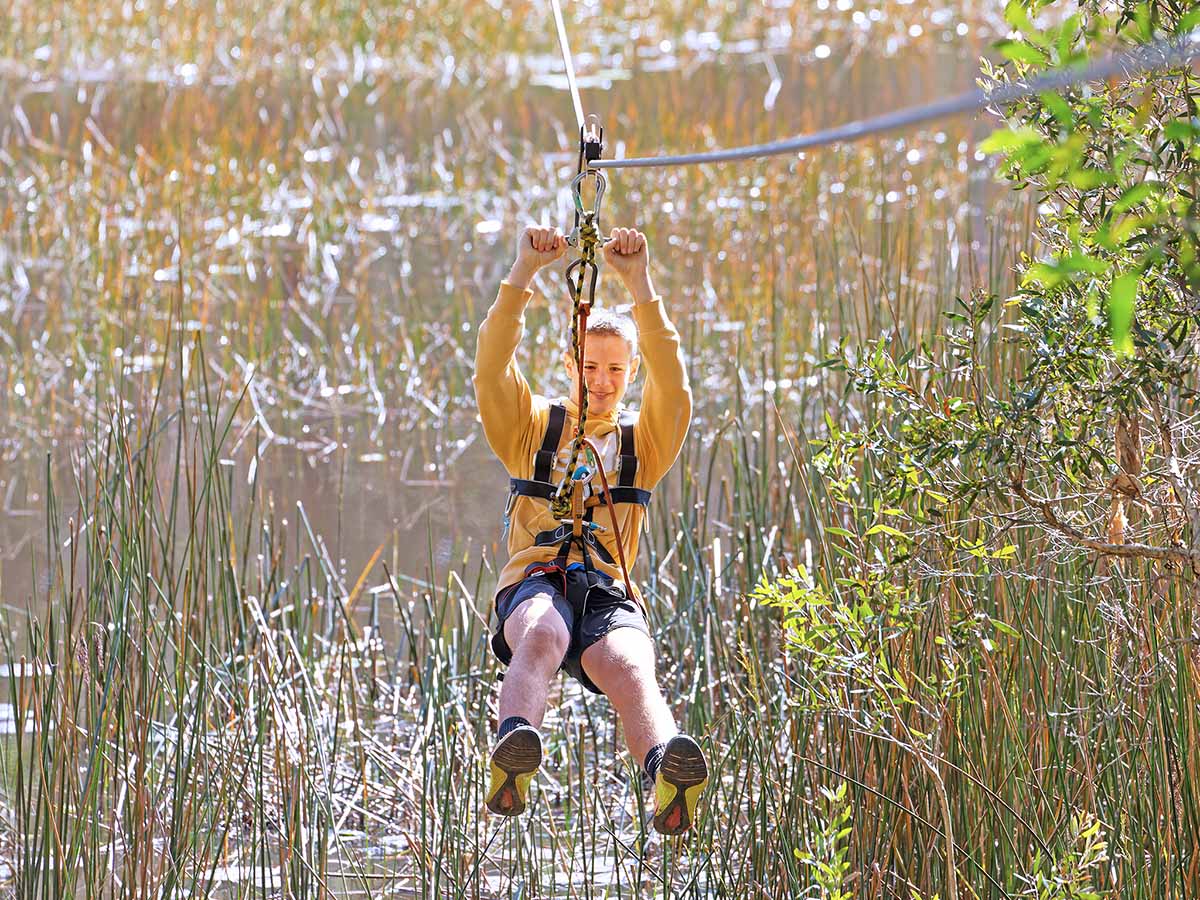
333,219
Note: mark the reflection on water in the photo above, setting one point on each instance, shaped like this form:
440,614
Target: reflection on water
8,719
334,223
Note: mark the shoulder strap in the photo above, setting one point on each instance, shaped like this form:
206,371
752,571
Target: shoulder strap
628,448
543,460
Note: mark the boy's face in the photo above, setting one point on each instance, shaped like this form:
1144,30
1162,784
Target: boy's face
608,370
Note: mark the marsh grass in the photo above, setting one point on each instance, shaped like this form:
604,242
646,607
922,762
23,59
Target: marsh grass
205,702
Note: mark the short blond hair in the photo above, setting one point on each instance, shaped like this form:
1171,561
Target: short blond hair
605,321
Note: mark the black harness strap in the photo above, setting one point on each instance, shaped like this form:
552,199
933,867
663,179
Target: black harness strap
562,537
523,487
640,496
628,451
543,490
543,462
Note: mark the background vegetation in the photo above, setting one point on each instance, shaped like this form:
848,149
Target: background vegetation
924,577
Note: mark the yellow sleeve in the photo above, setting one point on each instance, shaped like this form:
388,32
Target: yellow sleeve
505,401
666,408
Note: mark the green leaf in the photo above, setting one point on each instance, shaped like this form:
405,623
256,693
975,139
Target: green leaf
1134,195
1115,235
1022,52
1190,22
886,529
1084,262
1066,38
1185,130
1145,23
1005,628
844,552
1087,179
841,532
1121,301
1016,16
1009,140
1059,108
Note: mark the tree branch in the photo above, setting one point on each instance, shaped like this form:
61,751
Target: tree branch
1129,551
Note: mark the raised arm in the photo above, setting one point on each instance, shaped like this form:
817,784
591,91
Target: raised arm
503,395
666,410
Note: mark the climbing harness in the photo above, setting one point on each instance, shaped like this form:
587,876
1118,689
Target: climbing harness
540,486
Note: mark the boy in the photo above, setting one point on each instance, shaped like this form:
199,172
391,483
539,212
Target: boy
557,606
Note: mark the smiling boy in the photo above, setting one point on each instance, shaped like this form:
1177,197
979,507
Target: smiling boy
557,607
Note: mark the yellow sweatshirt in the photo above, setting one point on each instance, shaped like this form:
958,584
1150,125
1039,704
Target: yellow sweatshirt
515,419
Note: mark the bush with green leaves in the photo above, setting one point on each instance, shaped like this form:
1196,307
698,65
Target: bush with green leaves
1039,450
1070,405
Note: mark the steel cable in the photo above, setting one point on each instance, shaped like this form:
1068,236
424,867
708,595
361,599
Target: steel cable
566,53
1162,54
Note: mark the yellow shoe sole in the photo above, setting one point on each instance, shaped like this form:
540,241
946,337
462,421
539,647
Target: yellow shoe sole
682,777
513,764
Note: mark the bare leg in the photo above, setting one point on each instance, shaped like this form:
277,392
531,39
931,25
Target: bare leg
538,638
622,665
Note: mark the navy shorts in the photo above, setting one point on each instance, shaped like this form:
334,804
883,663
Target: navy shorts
590,604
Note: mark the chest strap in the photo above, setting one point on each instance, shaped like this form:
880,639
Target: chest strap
540,485
543,460
544,490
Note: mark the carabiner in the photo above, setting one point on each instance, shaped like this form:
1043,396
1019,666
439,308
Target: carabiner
582,214
594,272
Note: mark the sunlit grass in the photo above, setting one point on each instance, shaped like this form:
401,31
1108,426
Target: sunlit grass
206,697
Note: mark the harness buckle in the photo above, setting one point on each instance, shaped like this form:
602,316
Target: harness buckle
569,525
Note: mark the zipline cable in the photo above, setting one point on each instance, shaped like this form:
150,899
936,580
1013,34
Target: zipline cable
1162,54
566,53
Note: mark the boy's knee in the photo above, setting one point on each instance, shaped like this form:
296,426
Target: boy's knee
622,659
547,639
540,633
